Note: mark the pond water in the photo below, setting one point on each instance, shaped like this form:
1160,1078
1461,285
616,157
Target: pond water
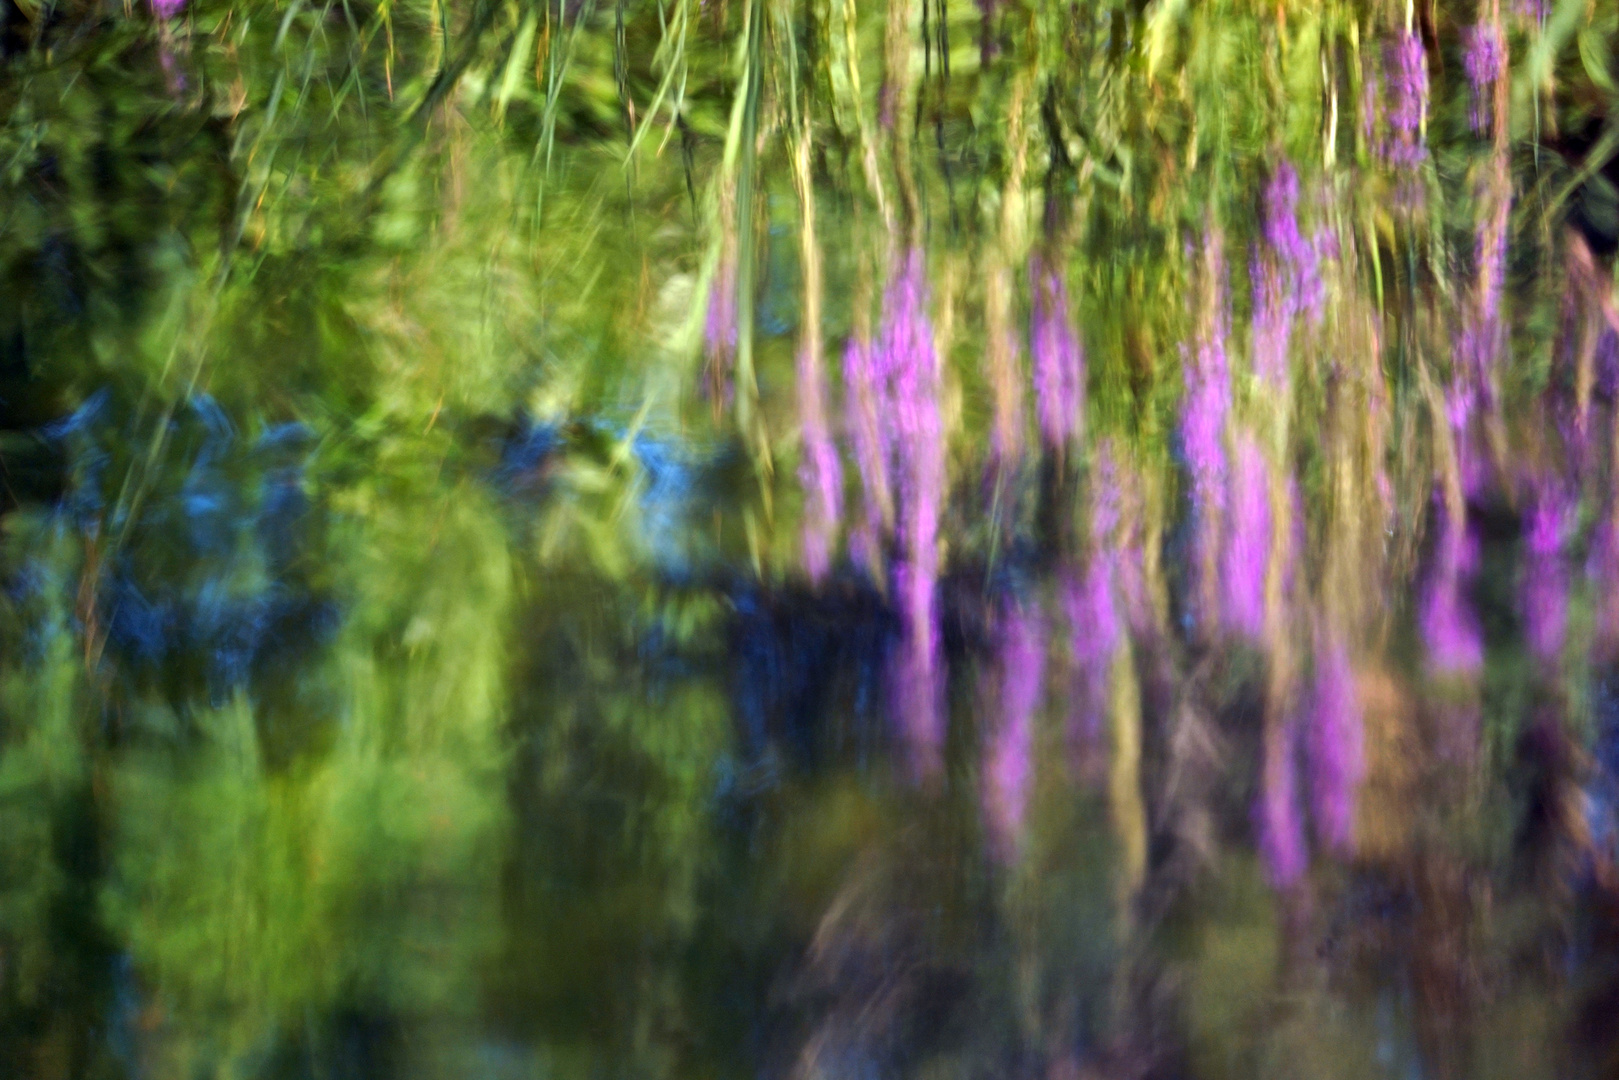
842,539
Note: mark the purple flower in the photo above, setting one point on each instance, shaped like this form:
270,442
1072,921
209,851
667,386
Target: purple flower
1286,277
913,431
1094,624
1208,399
1337,762
1281,832
1408,109
1312,289
1248,541
167,9
818,470
1281,225
1019,670
1484,58
1449,629
1408,84
1545,599
1059,360
1203,420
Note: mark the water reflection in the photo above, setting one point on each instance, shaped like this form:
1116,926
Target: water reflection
1085,550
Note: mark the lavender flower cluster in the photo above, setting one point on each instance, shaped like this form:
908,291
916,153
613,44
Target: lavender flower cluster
1545,599
1245,562
1203,418
1094,624
1484,59
1408,108
1445,617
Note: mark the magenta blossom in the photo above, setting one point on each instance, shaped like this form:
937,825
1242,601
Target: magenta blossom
1246,561
913,431
1286,275
1095,625
1299,257
1545,592
1484,58
1449,629
1336,744
1408,93
1203,420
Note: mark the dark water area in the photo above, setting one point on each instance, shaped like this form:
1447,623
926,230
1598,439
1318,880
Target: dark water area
808,541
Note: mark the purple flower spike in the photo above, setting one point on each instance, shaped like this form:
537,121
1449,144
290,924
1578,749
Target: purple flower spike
1208,399
1281,832
1312,289
1545,599
1408,102
1408,83
1286,277
1281,225
1248,542
1484,58
1337,761
1203,419
1059,361
1095,624
1019,676
167,9
913,431
1449,629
